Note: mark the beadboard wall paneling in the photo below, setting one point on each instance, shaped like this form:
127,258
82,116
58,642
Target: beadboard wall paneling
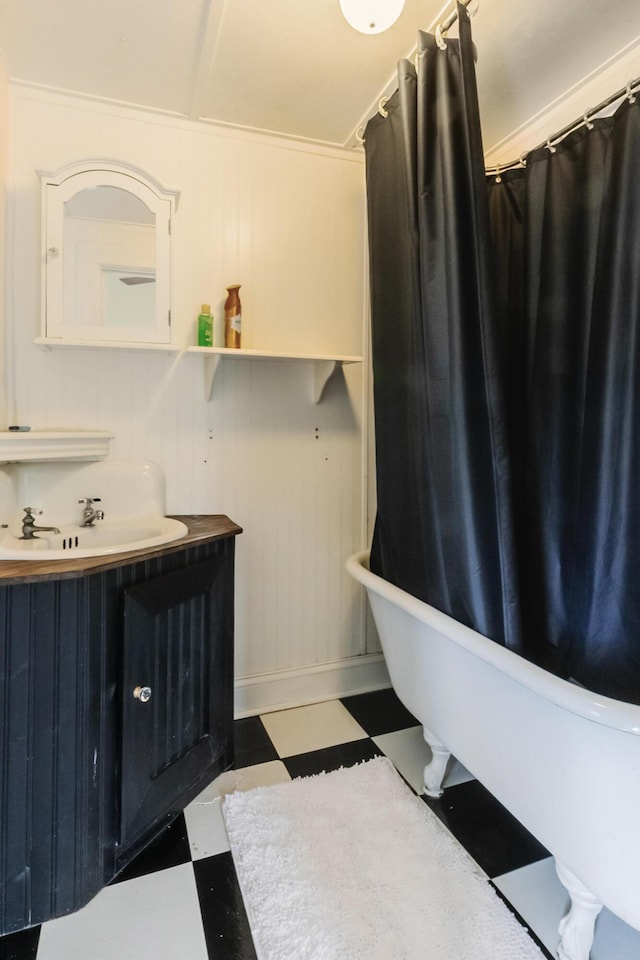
287,222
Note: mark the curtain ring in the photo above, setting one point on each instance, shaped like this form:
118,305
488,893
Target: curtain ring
440,35
587,122
359,136
523,159
550,147
498,177
630,95
381,109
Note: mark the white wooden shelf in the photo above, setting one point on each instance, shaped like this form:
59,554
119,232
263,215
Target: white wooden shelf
108,344
324,365
16,446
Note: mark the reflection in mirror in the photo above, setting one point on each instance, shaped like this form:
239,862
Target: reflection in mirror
128,298
109,270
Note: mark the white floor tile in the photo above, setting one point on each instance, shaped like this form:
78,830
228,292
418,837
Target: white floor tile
313,727
542,901
205,828
203,816
408,751
156,917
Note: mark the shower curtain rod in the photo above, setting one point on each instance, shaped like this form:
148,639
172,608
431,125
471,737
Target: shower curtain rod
629,91
453,16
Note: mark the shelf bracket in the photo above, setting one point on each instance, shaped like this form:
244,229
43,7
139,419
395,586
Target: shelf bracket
212,365
323,370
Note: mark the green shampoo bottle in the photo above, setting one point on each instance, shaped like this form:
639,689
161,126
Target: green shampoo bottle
205,326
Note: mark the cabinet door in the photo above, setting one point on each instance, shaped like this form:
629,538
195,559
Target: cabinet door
177,691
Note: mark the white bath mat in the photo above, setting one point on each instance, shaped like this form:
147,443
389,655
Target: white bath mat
351,865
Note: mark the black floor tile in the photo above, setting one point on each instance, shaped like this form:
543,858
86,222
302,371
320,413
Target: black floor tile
331,758
170,849
494,838
20,946
252,743
226,928
379,712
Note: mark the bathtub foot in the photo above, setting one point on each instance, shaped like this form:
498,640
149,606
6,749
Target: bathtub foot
577,927
434,772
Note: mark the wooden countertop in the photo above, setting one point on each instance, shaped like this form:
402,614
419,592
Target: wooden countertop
202,529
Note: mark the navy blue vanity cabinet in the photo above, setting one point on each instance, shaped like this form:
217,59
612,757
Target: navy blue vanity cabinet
116,709
174,687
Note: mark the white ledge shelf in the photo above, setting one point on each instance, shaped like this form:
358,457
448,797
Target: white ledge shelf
324,365
16,446
49,342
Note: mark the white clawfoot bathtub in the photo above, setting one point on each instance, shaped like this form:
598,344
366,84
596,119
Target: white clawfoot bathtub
563,760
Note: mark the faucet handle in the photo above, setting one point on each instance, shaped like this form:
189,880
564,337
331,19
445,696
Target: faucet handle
30,511
89,500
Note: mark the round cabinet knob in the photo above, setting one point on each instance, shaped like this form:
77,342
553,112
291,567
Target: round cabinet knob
142,694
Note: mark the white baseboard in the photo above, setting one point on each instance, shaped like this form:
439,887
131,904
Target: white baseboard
294,688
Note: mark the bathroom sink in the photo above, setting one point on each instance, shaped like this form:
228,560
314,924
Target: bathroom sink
100,540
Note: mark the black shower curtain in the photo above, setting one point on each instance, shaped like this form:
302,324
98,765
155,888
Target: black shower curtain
568,228
505,316
443,530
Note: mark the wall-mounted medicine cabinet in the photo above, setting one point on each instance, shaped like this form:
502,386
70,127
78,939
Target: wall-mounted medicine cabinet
106,256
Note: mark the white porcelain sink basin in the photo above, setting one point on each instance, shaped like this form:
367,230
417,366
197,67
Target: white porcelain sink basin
100,540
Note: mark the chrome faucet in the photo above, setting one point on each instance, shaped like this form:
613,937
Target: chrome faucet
29,528
89,515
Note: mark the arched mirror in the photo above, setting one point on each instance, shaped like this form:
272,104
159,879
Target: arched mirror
107,256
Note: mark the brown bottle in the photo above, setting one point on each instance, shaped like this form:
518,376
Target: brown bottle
232,317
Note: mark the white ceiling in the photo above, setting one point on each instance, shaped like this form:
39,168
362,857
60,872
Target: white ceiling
294,67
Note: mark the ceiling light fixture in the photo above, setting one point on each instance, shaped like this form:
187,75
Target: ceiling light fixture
371,16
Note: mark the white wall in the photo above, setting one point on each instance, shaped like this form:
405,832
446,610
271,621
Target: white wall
603,81
287,222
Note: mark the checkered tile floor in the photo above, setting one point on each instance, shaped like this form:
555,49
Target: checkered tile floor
180,899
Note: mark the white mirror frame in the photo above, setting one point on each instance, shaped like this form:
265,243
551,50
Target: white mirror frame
60,187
